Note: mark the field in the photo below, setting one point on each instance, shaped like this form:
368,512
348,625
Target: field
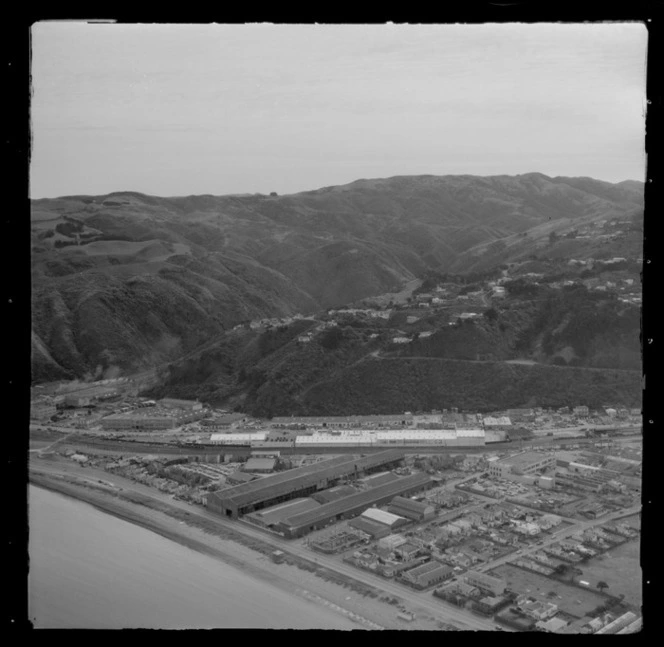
152,250
570,599
620,569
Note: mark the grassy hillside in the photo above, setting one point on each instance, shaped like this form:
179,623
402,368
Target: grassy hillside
130,280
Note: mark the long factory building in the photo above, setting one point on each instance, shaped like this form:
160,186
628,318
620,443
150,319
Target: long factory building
301,482
362,438
350,506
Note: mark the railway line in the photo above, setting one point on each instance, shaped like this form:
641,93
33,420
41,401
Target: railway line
195,449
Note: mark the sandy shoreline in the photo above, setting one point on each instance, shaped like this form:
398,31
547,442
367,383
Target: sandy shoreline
365,611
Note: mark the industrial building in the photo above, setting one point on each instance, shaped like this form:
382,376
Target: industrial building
240,438
341,439
619,623
546,482
150,419
489,605
266,453
520,414
352,505
391,542
360,438
407,551
410,509
552,625
273,516
85,397
428,574
579,482
334,493
236,478
633,627
345,422
302,481
389,520
373,529
260,465
524,463
189,405
378,479
445,437
225,421
495,585
500,422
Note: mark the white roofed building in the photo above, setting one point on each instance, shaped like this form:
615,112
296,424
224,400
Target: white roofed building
237,439
392,541
491,422
342,438
386,518
445,437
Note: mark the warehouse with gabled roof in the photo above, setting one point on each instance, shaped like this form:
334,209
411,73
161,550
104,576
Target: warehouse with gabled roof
352,505
299,482
411,509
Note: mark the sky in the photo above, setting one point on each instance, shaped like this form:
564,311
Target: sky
173,110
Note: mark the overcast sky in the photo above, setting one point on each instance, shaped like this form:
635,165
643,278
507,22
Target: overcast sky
179,110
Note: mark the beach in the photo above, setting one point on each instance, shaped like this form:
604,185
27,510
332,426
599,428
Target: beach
109,494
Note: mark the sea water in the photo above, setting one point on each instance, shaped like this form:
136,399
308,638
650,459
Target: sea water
89,569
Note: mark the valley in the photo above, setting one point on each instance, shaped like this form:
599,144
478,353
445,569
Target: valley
285,305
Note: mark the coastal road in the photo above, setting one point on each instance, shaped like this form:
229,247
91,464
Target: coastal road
420,602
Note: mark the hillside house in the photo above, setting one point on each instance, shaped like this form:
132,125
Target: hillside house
380,314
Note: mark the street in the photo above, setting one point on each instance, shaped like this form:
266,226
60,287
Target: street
562,533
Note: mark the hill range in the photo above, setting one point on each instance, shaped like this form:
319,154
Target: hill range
126,282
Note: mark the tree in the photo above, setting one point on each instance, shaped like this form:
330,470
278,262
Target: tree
331,339
562,569
491,314
602,585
